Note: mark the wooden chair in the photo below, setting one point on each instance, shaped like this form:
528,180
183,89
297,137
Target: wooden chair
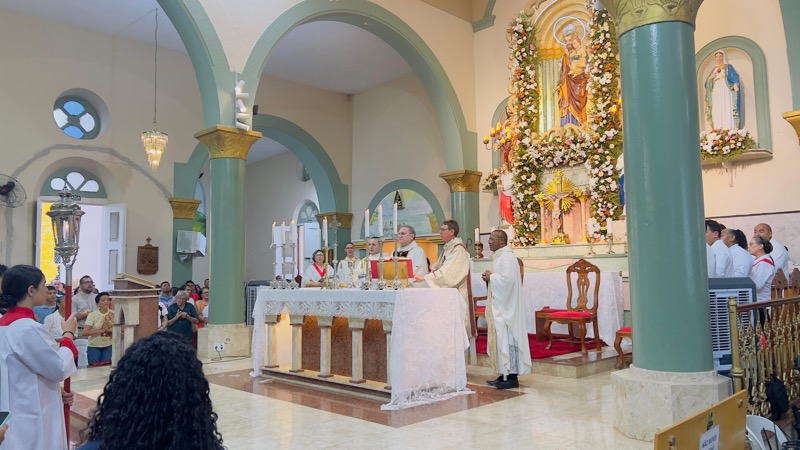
780,285
480,311
622,333
794,282
580,313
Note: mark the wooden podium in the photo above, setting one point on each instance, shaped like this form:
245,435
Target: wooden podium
135,312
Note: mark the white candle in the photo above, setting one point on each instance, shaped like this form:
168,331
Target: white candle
292,232
477,235
325,232
609,226
273,231
394,217
380,220
493,228
589,227
282,233
366,225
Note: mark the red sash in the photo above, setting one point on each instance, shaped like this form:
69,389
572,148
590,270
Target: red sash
768,261
320,272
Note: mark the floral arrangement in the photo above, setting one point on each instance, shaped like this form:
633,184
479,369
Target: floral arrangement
490,183
567,146
720,145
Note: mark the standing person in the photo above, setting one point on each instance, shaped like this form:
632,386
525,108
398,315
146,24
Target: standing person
83,300
49,306
479,251
779,254
347,266
201,306
407,239
206,283
508,335
127,416
742,261
35,365
189,287
317,271
181,316
99,326
52,323
60,292
763,269
166,294
723,262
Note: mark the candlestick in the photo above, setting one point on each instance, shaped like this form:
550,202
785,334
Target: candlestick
394,218
366,225
609,226
325,232
380,221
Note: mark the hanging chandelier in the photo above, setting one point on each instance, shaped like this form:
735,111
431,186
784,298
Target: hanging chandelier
154,141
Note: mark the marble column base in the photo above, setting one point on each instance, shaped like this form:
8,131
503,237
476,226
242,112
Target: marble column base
237,338
647,401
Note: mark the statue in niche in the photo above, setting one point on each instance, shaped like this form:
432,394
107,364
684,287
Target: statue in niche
723,99
571,90
505,188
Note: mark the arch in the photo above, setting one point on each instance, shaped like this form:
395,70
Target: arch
760,84
332,194
460,150
413,185
84,186
306,212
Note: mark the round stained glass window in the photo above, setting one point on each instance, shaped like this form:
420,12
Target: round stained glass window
76,117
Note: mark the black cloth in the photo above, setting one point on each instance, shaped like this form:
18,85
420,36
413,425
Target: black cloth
181,326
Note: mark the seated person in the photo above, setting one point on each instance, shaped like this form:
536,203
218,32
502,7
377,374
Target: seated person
49,306
317,271
99,325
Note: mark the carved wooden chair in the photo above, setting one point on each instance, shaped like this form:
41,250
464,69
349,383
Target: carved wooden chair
622,333
780,285
794,282
578,312
480,311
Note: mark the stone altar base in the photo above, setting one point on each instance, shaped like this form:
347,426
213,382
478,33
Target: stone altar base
339,384
237,338
648,401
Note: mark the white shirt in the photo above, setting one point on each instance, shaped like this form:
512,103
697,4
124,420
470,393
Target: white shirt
311,274
346,268
52,323
710,261
762,273
419,260
163,311
780,256
742,261
723,262
32,367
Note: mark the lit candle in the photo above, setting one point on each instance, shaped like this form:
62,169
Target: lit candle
394,217
499,126
325,232
380,220
477,235
493,228
486,139
366,225
273,231
292,232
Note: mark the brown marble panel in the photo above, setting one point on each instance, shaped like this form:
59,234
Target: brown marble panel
342,350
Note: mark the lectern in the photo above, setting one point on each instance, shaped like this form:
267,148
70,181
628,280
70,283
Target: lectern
135,312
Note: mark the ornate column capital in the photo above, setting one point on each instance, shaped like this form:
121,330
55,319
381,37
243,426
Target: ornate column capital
463,180
183,208
345,218
793,117
630,14
227,142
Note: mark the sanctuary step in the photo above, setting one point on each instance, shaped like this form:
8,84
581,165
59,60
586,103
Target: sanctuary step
571,365
334,383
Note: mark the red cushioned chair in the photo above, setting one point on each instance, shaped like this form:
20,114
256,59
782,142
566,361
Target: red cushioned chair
622,333
578,313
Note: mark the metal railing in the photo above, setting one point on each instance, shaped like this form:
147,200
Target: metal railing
765,340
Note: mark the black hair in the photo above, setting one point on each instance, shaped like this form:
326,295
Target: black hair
3,269
479,244
16,282
81,280
741,239
127,415
50,287
162,283
714,226
99,296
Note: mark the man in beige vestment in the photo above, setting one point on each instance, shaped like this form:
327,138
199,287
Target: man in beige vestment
508,345
452,268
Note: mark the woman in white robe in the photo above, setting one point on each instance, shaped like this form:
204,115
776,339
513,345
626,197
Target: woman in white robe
32,365
763,270
317,270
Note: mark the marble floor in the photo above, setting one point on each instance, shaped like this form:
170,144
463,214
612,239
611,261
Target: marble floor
544,413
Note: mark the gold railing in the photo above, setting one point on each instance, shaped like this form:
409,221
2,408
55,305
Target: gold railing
765,340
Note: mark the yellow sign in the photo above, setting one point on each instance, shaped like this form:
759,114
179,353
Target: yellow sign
719,426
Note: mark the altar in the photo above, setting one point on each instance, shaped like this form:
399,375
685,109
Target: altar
425,337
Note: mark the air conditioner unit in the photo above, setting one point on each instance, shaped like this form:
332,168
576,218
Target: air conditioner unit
192,243
719,291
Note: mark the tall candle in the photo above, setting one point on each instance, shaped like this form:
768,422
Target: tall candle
325,232
273,231
477,235
283,233
366,225
380,220
394,217
292,232
609,226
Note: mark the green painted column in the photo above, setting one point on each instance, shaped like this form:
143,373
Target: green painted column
464,186
790,12
668,272
228,149
183,210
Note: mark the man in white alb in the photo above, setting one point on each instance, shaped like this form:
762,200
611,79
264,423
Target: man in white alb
723,262
373,254
779,253
406,238
742,260
348,265
508,345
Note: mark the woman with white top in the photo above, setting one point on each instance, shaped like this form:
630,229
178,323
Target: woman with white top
317,271
763,269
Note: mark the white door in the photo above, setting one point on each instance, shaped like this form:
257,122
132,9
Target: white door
113,245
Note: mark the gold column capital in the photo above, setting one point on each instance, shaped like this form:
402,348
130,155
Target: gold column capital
463,180
345,218
227,142
630,14
183,208
793,117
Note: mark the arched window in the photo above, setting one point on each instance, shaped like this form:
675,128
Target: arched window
79,181
308,213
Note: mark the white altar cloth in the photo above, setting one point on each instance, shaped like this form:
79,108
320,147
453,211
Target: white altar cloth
540,289
428,335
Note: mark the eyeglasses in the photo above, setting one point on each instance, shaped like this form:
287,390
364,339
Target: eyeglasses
444,229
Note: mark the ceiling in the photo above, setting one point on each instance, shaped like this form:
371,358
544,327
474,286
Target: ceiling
264,148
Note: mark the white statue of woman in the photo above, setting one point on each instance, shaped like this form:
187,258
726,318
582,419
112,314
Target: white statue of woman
723,100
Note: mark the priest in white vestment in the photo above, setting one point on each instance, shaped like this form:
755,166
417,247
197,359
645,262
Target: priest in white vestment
508,346
452,268
347,266
409,249
373,254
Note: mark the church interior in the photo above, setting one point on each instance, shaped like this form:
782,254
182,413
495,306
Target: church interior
604,131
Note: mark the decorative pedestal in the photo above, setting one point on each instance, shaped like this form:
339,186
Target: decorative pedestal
135,313
235,336
648,401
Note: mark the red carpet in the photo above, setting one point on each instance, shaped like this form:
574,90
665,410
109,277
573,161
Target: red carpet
538,350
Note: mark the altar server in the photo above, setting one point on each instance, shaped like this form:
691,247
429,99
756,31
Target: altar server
508,345
737,245
452,268
779,254
316,272
723,263
763,270
347,266
373,254
406,237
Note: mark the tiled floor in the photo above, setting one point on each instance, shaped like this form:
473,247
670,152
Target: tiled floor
545,413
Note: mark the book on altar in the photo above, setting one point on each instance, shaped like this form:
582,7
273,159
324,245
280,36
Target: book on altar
404,269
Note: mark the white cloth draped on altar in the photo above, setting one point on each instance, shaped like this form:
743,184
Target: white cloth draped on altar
540,289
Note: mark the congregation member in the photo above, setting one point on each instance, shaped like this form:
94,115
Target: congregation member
507,346
33,365
83,301
207,283
182,317
160,367
737,246
163,311
317,271
60,292
763,269
166,294
407,240
201,306
189,287
52,323
479,251
779,254
723,263
98,328
347,266
452,268
49,306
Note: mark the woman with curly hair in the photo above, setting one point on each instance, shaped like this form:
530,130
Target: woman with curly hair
145,402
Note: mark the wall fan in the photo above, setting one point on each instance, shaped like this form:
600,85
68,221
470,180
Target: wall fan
11,192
